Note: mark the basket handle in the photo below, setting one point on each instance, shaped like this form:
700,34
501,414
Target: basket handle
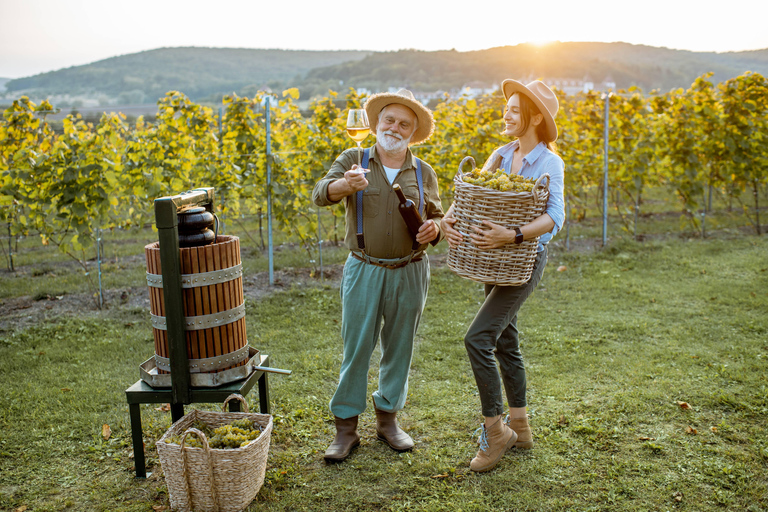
539,185
185,470
238,397
465,160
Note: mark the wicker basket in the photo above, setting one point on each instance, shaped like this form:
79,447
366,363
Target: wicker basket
512,264
209,479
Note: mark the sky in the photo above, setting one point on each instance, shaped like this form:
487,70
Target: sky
37,36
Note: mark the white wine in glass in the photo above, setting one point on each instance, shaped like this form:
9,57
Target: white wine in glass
358,128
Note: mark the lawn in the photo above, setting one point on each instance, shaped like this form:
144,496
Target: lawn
647,377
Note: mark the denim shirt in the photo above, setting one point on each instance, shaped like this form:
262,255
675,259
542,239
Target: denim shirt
541,161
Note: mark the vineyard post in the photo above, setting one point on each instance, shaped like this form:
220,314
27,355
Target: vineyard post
320,244
567,225
10,248
269,192
607,97
98,262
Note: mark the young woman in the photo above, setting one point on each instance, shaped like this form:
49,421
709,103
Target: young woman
529,121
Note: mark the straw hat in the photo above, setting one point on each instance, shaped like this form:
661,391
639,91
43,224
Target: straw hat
542,96
402,97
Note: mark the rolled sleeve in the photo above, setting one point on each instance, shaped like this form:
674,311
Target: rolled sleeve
556,202
336,172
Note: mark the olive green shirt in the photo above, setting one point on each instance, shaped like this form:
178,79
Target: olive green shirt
385,232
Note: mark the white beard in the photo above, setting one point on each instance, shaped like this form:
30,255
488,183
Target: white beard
389,145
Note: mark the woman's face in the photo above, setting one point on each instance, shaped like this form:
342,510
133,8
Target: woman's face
513,122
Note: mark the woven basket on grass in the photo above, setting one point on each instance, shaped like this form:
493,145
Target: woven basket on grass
209,479
512,264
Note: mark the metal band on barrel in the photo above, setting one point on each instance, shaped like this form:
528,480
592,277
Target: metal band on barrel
209,364
196,323
201,279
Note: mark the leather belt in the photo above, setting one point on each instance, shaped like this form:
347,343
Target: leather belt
379,263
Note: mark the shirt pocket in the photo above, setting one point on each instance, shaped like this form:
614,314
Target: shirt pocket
371,200
412,193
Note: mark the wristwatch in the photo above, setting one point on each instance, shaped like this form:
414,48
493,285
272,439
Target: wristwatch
518,236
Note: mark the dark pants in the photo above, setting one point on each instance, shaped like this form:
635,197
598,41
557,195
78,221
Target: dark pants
494,333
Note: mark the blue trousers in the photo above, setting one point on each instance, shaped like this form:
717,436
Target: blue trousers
378,302
493,335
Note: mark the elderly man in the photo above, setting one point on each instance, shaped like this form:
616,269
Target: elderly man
386,275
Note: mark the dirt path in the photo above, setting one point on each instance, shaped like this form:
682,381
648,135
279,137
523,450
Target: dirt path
23,312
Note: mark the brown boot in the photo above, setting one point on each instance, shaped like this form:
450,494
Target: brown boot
388,431
495,440
523,431
346,439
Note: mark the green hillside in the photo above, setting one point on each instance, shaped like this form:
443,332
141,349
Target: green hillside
207,73
198,72
624,64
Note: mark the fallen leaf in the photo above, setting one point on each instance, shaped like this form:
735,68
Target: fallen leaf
684,405
444,475
562,420
653,300
678,496
713,429
20,509
690,430
163,408
646,438
753,294
106,432
562,268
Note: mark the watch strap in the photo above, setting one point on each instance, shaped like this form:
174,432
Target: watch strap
518,236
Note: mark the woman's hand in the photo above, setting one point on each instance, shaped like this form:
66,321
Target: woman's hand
453,237
491,236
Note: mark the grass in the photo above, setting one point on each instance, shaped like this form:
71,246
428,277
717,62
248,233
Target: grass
615,341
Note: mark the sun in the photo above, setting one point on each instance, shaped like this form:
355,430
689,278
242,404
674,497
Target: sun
541,43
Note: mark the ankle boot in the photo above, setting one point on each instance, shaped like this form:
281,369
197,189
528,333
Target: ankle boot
495,440
346,439
388,431
523,431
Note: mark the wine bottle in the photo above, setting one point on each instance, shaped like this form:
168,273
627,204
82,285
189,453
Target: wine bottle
409,212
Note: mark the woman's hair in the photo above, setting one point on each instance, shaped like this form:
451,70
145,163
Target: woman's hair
528,109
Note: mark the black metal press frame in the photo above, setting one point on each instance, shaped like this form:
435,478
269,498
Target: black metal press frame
181,392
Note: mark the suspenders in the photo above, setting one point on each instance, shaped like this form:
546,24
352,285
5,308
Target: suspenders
359,197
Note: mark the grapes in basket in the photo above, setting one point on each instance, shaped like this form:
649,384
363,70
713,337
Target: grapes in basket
232,435
499,180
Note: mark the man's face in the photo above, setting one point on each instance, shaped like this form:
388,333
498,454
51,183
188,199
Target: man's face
395,128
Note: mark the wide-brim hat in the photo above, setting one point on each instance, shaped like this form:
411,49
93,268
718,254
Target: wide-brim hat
542,96
377,102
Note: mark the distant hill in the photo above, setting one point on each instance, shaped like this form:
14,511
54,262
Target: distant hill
198,72
207,73
621,63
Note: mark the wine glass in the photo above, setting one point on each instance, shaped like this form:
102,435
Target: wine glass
358,128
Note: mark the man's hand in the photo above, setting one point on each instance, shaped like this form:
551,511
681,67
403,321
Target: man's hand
353,181
356,179
427,232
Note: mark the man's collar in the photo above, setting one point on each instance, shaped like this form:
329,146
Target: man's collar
409,158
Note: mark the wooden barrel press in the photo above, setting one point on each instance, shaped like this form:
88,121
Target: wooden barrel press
214,306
